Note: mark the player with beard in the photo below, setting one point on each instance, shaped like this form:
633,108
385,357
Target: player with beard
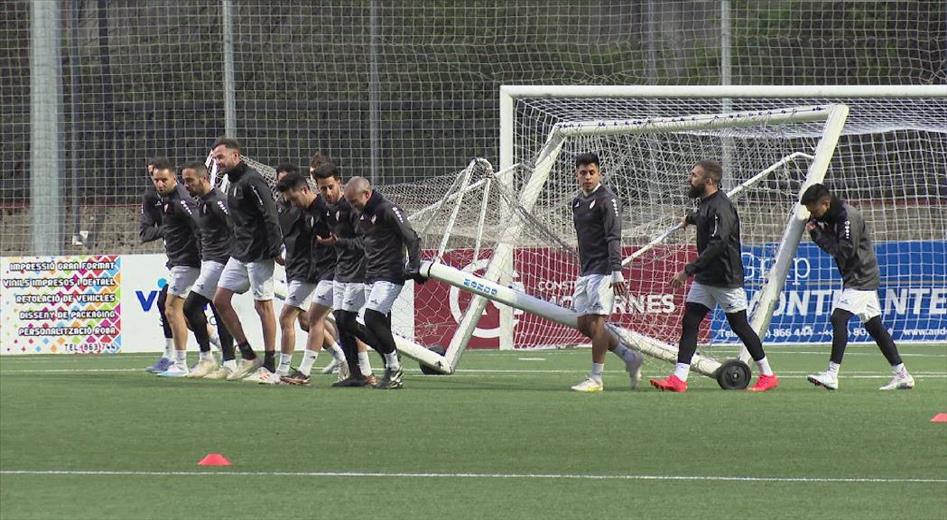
718,272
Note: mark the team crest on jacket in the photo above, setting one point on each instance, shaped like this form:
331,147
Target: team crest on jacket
592,205
373,218
337,213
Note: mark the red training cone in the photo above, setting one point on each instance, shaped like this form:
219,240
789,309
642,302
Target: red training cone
941,417
214,459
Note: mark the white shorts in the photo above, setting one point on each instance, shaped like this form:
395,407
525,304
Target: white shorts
206,284
182,278
864,304
593,295
299,294
729,299
240,276
324,293
382,295
348,296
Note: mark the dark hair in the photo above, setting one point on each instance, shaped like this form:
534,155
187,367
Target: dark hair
586,158
151,161
815,193
227,142
292,181
197,166
287,167
162,164
712,169
327,170
318,159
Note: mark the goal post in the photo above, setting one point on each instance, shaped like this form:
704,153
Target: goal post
889,161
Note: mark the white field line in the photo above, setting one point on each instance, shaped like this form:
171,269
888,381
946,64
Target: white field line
524,476
477,372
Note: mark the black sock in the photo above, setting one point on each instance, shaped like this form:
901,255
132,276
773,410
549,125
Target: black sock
226,340
840,319
380,327
269,360
741,327
246,352
883,339
693,314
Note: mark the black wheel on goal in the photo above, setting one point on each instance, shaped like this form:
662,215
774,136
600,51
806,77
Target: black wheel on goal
733,374
426,370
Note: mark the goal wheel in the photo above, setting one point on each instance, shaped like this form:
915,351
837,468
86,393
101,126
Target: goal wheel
426,370
733,374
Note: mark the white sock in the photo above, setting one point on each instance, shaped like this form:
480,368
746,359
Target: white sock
597,369
682,370
215,341
364,364
231,364
206,355
764,367
833,369
337,353
180,358
169,348
284,361
624,352
899,369
392,360
309,359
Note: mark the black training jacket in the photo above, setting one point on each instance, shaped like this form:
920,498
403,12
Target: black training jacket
213,221
349,249
149,220
256,231
386,235
597,221
843,233
179,225
718,263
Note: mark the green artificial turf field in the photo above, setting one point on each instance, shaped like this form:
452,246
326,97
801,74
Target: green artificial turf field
96,437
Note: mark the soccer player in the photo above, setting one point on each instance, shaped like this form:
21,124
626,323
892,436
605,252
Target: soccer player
257,241
149,230
320,269
840,230
349,283
597,218
184,259
718,272
387,234
213,224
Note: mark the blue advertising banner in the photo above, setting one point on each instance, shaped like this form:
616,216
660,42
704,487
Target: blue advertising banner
913,294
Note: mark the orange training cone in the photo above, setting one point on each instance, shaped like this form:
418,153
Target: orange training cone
941,417
214,459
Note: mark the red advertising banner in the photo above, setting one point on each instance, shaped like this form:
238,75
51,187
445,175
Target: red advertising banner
650,306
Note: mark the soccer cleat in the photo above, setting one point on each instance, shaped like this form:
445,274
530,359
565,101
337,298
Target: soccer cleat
202,368
332,367
344,372
263,376
295,377
355,381
824,379
900,381
219,372
175,370
589,385
391,380
633,368
245,368
161,365
671,383
764,383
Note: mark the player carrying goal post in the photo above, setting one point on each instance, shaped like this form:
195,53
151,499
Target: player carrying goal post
597,218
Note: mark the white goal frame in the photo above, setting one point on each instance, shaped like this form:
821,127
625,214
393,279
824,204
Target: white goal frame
760,319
